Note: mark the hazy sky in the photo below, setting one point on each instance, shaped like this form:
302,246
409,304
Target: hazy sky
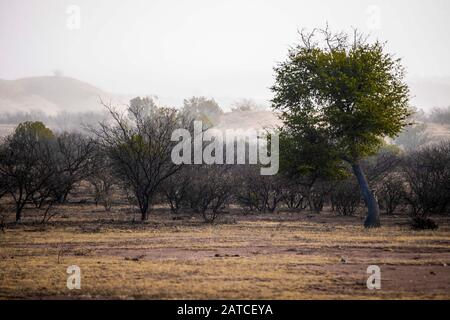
220,48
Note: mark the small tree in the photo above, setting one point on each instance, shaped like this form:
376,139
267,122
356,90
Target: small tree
346,94
295,195
258,192
391,193
210,189
175,189
345,197
102,179
27,163
139,146
72,157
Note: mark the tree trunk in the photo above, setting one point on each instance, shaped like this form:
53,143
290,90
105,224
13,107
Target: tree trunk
144,212
143,203
18,212
144,209
373,211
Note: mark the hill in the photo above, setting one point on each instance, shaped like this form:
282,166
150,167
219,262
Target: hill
51,95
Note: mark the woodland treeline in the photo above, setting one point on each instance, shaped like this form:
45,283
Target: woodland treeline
129,156
341,100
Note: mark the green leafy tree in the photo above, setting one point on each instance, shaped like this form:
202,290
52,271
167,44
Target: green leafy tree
339,97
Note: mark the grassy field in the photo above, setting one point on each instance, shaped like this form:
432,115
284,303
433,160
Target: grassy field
273,256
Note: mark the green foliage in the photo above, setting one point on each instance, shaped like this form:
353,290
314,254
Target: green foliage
341,98
33,129
309,154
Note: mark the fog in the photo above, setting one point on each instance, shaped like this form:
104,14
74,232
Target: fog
221,49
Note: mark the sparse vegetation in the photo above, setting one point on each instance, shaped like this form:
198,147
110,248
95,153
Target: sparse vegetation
345,197
103,190
139,147
427,173
260,257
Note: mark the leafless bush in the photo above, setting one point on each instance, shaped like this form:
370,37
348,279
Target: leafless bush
258,192
295,195
139,145
345,197
102,179
427,173
317,194
210,190
391,193
73,157
176,189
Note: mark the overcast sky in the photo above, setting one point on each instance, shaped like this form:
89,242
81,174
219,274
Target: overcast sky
220,48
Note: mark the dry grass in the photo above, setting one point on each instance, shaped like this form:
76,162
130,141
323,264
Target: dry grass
291,256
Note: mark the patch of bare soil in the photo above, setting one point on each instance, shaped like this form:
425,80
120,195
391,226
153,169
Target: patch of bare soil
288,255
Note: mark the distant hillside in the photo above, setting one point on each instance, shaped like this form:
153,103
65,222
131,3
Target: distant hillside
61,95
50,94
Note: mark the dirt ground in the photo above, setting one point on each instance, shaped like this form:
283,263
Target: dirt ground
289,255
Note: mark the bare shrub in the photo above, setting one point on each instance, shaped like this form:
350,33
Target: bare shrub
391,193
427,173
295,195
102,179
176,188
210,190
73,156
139,146
258,192
345,197
317,194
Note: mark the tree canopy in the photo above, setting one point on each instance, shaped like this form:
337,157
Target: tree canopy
339,97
